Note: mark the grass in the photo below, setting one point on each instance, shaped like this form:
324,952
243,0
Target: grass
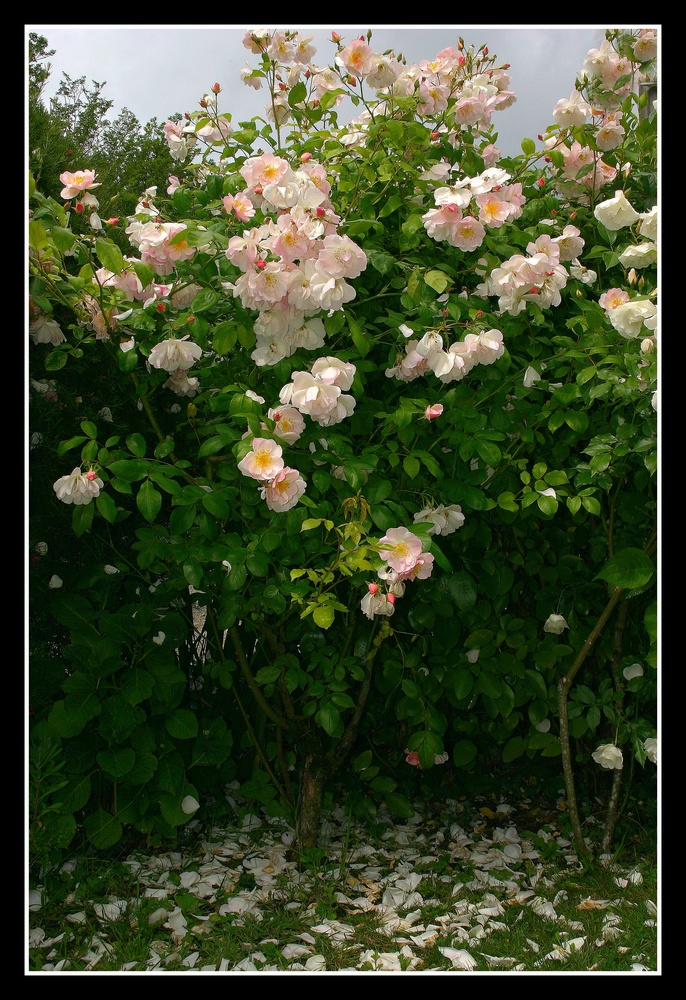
481,885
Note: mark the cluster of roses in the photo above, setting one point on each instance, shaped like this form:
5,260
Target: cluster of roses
448,364
294,265
466,76
319,394
631,316
537,276
583,170
465,207
402,558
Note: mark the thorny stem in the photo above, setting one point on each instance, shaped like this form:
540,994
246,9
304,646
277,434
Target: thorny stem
256,743
613,804
563,687
250,680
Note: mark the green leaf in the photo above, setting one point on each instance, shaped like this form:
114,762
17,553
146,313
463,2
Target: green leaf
462,590
82,519
149,501
143,272
37,234
297,94
137,685
63,239
182,724
383,786
224,337
182,199
438,280
393,204
193,572
323,616
399,805
117,761
528,146
136,445
629,568
328,717
257,563
110,255
102,829
172,813
363,760
106,507
205,299
513,748
464,752
268,674
411,466
547,505
535,685
216,505
464,682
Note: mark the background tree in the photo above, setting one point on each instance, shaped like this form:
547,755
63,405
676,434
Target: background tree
75,127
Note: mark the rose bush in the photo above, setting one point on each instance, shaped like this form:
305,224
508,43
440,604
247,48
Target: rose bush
417,421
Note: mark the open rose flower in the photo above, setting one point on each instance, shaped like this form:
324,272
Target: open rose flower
609,756
650,747
78,182
78,488
173,354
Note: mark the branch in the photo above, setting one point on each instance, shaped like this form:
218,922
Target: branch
250,680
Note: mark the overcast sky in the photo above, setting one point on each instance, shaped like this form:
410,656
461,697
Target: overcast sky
155,71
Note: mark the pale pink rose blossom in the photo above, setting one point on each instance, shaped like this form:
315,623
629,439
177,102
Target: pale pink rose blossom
288,423
490,154
488,345
78,182
616,213
334,372
264,461
284,490
357,58
493,211
570,243
239,205
645,46
609,756
264,170
612,298
433,410
610,133
467,234
400,549
174,354
639,255
441,223
442,520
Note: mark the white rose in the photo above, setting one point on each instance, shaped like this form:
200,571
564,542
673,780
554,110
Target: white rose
639,255
609,756
555,624
630,317
647,227
615,213
650,747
